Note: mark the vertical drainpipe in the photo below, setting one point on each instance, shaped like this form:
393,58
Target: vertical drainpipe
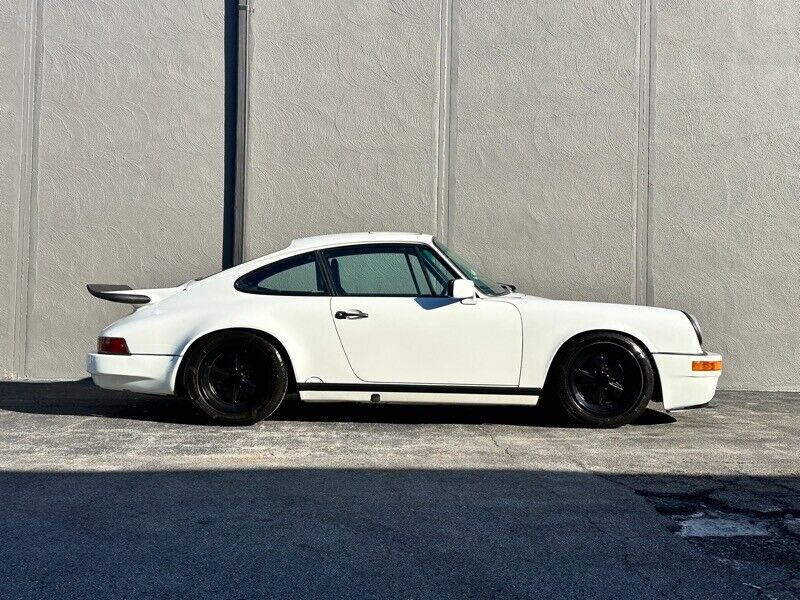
242,119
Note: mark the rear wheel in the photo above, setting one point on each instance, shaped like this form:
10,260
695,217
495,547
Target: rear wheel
236,378
604,380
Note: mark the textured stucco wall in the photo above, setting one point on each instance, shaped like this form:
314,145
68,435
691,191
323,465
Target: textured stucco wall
128,174
343,119
725,232
13,19
541,125
543,163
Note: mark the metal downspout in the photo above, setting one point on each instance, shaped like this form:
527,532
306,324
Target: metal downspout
242,120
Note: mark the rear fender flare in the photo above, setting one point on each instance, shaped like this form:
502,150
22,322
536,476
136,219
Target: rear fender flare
178,384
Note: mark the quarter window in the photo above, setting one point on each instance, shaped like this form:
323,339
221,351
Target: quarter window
297,276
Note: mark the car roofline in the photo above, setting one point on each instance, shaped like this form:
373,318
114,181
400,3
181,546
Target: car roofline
346,239
322,242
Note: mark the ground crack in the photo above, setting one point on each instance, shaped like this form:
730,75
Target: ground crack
494,440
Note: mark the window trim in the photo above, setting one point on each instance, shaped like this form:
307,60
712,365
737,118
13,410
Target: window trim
317,259
425,261
415,246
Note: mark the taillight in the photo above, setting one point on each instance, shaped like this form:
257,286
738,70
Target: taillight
112,345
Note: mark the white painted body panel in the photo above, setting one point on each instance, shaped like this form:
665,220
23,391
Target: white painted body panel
506,341
682,387
431,340
548,324
147,374
302,324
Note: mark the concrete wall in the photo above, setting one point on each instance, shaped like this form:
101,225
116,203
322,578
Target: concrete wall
343,119
628,151
508,128
12,106
544,144
725,229
120,158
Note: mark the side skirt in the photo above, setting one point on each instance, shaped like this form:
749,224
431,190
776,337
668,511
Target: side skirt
417,394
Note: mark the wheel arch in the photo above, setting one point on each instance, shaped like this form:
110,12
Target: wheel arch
554,361
179,384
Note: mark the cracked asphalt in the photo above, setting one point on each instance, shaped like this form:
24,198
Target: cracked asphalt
114,495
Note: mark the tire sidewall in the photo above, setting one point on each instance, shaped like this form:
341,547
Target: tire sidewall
570,405
270,401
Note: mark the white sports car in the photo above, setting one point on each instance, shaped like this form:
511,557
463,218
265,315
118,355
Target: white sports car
394,317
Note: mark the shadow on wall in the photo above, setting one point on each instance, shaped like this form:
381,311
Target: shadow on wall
83,398
339,533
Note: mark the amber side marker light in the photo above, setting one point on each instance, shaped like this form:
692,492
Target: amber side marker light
112,345
706,365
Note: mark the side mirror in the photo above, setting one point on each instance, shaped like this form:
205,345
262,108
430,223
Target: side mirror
462,289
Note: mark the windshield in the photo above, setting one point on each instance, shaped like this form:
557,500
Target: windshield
482,282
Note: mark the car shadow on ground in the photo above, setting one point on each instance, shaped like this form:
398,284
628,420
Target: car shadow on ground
82,398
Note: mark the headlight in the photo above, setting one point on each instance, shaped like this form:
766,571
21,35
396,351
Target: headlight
696,326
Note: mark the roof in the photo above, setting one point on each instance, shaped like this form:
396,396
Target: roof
340,239
328,241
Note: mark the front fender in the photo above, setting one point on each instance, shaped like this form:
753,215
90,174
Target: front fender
549,324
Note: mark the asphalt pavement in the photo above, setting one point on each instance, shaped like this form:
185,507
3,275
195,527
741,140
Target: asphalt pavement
115,495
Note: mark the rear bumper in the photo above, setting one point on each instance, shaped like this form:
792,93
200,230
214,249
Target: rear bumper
680,386
145,373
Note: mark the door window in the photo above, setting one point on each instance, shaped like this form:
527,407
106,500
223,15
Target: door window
296,276
385,270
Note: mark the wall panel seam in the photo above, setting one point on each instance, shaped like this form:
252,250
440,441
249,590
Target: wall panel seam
28,183
651,159
443,123
644,131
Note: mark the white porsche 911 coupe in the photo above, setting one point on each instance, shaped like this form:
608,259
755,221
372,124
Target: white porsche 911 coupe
394,317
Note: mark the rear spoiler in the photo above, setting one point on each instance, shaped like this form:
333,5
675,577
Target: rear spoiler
116,293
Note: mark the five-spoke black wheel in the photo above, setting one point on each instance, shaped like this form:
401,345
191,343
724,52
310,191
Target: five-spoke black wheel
604,380
236,377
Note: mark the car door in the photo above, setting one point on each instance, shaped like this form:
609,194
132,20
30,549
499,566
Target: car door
397,325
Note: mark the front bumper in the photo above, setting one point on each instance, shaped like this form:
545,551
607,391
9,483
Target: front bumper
145,373
680,386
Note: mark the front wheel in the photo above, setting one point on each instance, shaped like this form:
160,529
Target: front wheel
236,378
604,380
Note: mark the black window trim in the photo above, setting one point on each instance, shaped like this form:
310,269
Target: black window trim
400,244
424,261
320,265
329,288
414,277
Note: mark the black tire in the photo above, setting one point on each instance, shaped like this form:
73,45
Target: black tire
236,378
604,380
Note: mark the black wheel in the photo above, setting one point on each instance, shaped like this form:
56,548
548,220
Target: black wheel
236,378
604,380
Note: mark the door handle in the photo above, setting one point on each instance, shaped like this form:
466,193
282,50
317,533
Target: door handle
350,314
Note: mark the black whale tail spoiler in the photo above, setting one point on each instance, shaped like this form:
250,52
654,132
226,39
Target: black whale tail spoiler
118,293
